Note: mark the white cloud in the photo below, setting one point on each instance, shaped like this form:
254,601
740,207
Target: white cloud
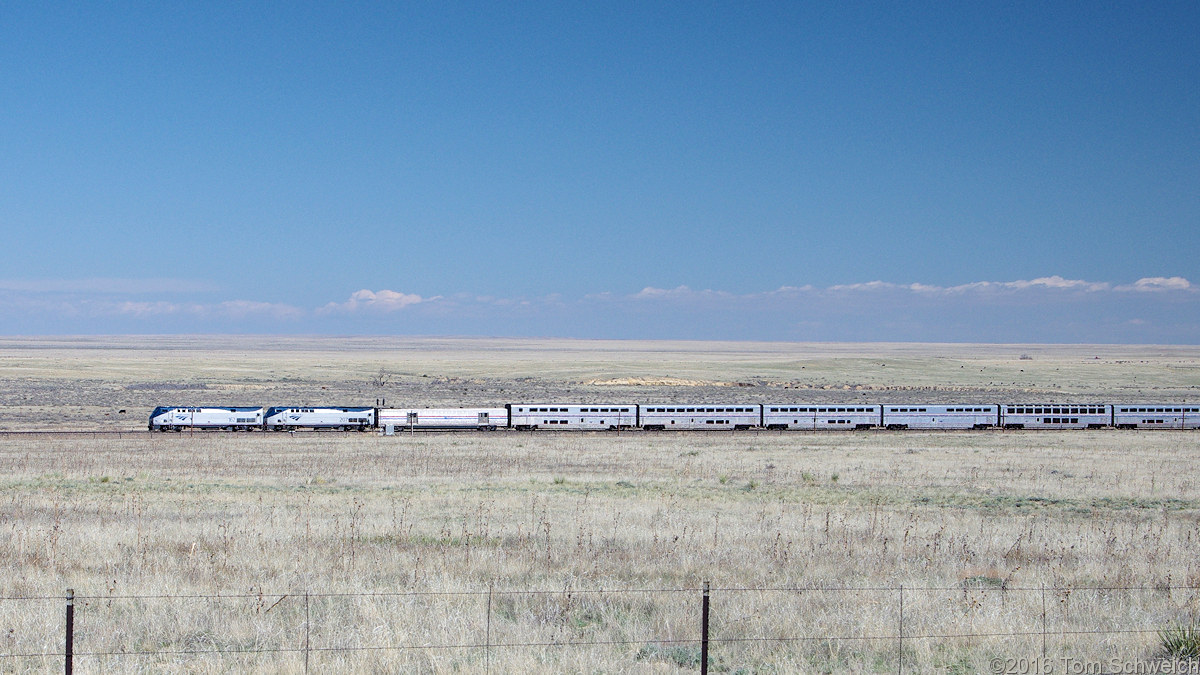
1051,283
867,310
652,292
1058,282
144,309
679,293
236,309
1155,284
381,301
250,308
867,286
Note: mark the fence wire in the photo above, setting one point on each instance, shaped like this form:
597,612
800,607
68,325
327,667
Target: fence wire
895,624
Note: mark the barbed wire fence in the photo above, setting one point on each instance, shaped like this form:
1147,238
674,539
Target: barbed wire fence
898,628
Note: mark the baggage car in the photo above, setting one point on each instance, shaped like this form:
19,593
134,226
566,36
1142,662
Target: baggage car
442,419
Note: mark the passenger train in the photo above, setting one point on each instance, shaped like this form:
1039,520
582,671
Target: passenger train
685,417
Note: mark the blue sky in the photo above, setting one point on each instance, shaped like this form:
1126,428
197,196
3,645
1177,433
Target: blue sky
773,171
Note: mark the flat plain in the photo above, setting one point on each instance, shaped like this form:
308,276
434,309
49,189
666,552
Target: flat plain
586,552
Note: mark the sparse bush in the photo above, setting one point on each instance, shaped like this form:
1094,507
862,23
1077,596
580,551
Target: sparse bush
1180,640
680,655
381,379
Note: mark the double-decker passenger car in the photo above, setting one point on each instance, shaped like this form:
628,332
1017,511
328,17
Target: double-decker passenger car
300,417
577,416
678,416
1156,416
939,416
178,418
1056,416
432,419
820,416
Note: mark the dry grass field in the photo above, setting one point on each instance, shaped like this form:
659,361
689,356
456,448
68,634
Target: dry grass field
560,552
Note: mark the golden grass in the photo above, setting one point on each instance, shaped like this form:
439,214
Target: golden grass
989,518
